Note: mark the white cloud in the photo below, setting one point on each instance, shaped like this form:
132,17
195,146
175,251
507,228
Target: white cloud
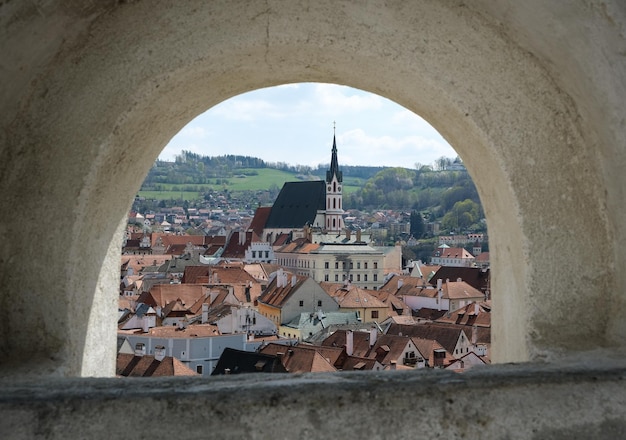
340,99
193,131
293,123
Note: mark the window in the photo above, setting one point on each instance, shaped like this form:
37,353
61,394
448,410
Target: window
199,369
351,265
375,264
336,277
326,265
336,264
358,265
365,265
374,314
301,303
375,277
358,277
319,303
326,277
365,277
350,277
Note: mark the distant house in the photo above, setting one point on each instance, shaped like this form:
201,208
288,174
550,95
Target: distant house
466,362
478,278
448,295
354,299
288,295
198,346
245,287
385,349
447,256
300,359
453,339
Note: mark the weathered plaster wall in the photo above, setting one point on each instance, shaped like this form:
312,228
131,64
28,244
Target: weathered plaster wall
532,96
534,402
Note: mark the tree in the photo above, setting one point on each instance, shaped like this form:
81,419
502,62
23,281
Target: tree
417,224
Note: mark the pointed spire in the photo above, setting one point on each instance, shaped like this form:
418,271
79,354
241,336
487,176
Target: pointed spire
334,163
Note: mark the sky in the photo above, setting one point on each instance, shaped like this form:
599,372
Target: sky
293,123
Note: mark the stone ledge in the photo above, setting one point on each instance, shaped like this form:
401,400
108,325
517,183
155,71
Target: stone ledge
564,400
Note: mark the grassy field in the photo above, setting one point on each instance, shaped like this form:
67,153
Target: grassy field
265,178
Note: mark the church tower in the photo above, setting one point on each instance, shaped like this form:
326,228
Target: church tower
334,203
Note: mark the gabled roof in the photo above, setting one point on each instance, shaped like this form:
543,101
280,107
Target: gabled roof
472,314
220,274
398,283
239,361
236,247
281,239
427,348
353,297
299,359
388,348
162,294
474,276
360,342
260,219
297,204
354,363
299,246
446,335
282,286
261,271
190,331
453,253
129,365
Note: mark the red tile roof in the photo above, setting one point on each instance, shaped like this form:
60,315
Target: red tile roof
129,365
279,291
299,359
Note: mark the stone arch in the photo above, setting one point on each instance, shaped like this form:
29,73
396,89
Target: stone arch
96,104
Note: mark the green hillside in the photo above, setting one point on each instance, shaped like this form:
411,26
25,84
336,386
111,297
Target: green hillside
447,196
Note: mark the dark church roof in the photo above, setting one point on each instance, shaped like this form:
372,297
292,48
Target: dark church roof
297,204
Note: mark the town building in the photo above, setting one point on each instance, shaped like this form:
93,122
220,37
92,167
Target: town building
288,295
444,255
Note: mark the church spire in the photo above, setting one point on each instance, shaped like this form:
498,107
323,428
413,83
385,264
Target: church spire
334,164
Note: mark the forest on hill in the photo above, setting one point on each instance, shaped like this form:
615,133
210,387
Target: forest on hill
442,192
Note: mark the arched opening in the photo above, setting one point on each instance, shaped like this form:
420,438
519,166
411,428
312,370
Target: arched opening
112,113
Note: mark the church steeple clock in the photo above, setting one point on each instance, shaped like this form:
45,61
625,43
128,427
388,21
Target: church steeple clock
334,202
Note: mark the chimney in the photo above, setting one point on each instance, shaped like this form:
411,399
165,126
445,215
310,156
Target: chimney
439,294
234,314
373,336
392,365
205,313
400,283
159,353
474,334
348,234
293,280
358,235
349,342
140,349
